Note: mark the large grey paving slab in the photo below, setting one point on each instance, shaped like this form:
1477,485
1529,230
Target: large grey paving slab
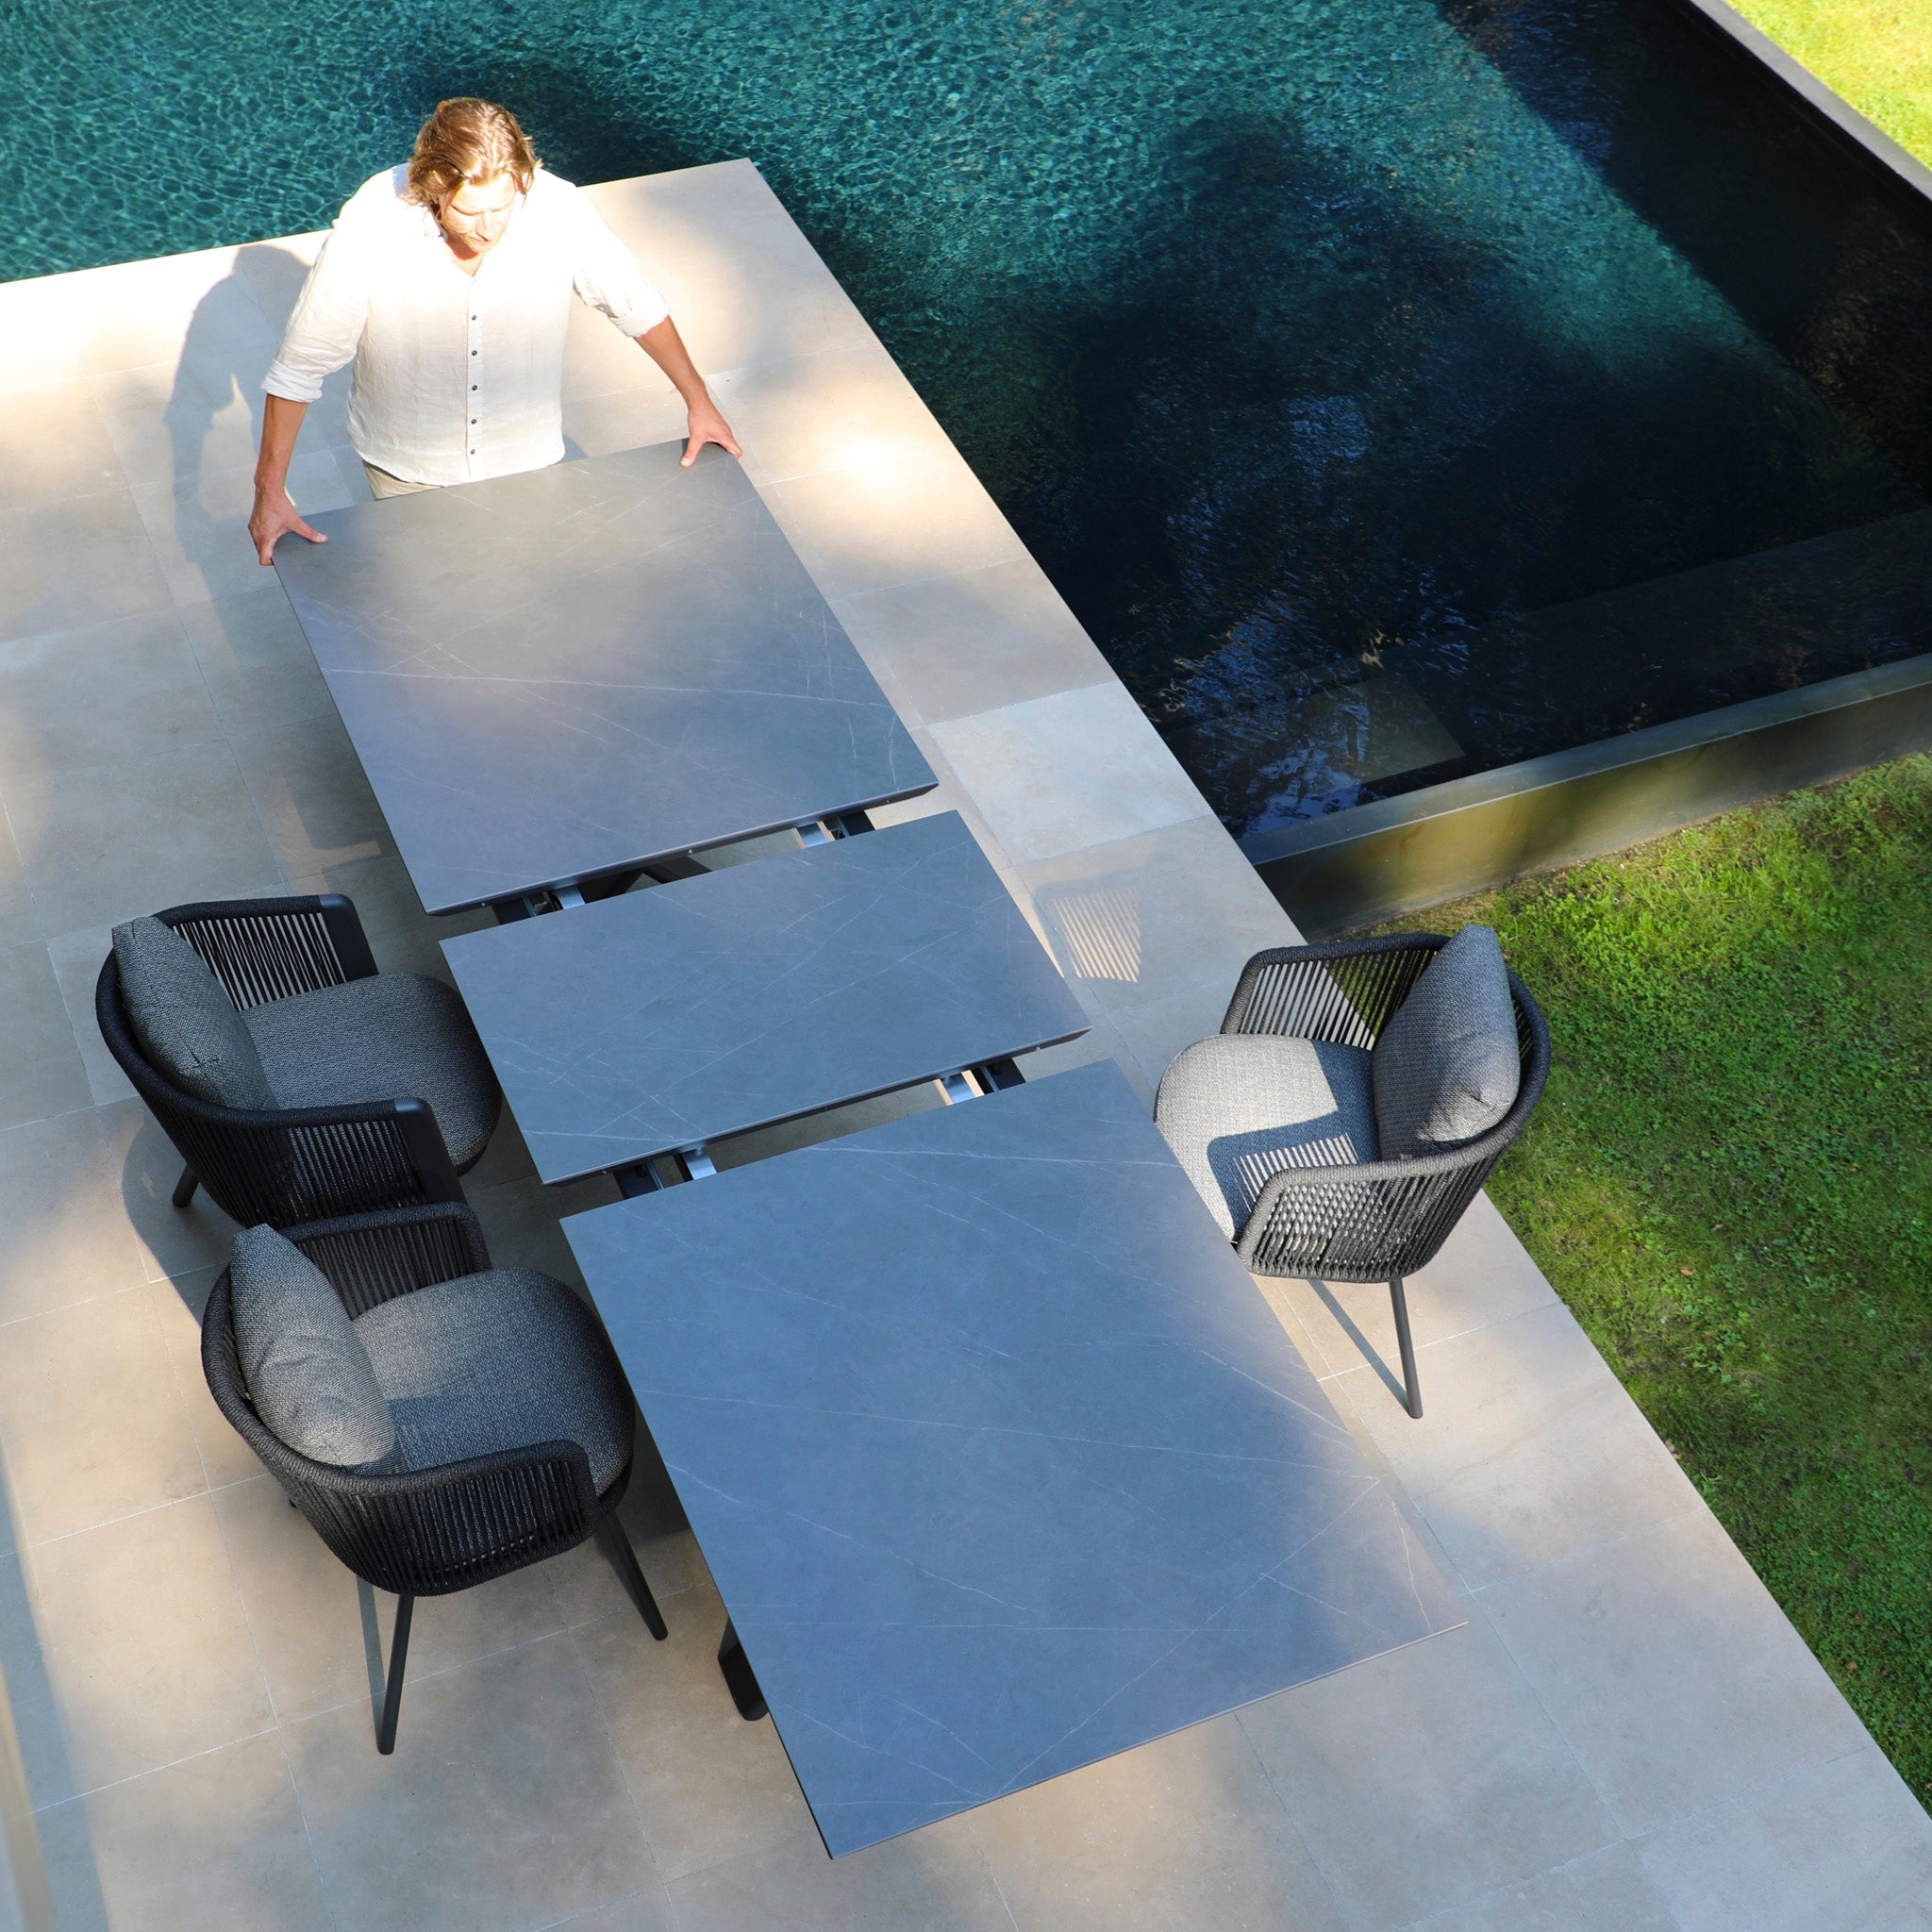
44,1073
1530,1449
585,668
1425,1779
1675,1677
218,1840
1185,1832
935,1883
105,694
92,1427
665,1018
999,1460
53,445
1136,919
84,559
975,642
1840,1847
1603,1892
1077,768
502,1809
107,843
146,1648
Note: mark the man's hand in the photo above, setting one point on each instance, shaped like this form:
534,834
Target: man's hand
274,516
665,347
706,425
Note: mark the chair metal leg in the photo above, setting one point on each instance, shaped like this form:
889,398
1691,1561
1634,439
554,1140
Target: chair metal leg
618,1543
393,1687
1410,1386
185,1187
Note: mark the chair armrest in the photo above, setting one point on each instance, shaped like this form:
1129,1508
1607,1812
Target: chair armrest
1346,990
271,949
432,1532
1373,1219
370,1259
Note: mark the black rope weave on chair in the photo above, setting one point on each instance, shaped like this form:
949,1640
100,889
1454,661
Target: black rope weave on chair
287,1164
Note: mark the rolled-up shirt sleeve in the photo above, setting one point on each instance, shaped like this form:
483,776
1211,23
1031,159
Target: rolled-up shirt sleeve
609,279
328,323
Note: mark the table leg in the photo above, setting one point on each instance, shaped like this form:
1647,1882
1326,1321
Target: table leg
999,1074
639,1178
739,1680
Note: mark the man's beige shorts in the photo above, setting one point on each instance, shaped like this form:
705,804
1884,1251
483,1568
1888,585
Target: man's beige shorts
382,484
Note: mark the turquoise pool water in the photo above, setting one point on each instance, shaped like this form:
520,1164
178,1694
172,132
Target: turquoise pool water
1394,391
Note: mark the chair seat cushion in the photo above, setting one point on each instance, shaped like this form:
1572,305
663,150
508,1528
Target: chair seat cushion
1447,1064
392,1036
1238,1108
499,1360
305,1368
184,1019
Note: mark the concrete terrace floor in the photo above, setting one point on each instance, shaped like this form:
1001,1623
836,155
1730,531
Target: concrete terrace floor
1628,1734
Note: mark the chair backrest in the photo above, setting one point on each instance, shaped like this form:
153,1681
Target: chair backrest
1391,1218
267,1165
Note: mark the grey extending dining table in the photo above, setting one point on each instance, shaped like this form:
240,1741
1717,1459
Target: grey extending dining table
654,1023
999,1460
583,670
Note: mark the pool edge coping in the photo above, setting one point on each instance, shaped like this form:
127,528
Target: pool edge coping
1399,854
1824,100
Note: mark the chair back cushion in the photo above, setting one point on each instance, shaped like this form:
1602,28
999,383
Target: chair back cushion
308,1373
1448,1065
1241,1107
184,1019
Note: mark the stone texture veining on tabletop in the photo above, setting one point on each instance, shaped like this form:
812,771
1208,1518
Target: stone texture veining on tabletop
585,667
1000,1460
702,1009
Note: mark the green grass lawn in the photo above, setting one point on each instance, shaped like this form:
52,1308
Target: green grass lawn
1729,1181
1875,53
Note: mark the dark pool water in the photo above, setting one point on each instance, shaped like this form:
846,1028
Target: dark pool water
1396,391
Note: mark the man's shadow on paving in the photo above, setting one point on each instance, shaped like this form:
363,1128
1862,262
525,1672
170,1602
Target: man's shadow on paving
214,409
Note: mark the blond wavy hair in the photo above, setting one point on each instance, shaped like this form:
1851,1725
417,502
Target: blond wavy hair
464,141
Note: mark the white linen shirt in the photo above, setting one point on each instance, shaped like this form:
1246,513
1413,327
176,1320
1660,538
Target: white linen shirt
457,376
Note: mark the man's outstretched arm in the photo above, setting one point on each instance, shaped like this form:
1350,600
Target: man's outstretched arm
665,347
273,515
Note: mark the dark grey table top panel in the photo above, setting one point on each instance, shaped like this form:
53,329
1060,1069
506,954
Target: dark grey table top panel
673,1016
999,1459
588,667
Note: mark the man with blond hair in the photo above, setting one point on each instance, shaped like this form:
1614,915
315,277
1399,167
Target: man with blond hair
447,282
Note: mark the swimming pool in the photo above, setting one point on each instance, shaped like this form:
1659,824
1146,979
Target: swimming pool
1394,393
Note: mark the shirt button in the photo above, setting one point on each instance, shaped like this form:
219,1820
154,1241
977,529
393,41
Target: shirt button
472,352
473,388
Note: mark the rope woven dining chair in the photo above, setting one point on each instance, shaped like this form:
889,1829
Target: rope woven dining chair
352,1051
452,1523
1319,1208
